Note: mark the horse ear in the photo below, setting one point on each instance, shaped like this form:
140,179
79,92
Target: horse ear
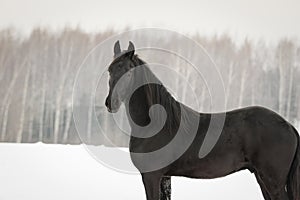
130,49
117,48
130,46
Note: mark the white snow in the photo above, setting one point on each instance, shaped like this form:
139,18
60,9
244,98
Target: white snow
64,172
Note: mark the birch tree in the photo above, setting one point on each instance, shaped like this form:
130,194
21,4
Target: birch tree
244,58
62,81
23,106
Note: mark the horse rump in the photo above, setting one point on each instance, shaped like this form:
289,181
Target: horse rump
293,184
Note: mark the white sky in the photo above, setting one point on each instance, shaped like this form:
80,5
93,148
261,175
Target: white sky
268,19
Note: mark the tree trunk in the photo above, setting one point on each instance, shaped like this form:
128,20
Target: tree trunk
184,89
242,88
89,121
229,82
31,103
42,113
6,101
67,125
57,118
281,85
290,90
4,122
23,107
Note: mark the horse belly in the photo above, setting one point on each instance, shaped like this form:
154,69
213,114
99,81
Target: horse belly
209,168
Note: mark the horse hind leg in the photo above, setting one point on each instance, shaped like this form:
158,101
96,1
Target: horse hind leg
165,188
273,189
280,195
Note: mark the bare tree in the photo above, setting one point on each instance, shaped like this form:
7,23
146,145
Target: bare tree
23,105
38,73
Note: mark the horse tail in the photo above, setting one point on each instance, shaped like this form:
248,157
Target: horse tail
293,183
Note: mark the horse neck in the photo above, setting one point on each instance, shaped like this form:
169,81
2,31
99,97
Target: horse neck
149,95
137,109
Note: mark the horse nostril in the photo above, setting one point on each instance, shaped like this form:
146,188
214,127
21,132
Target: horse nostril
115,102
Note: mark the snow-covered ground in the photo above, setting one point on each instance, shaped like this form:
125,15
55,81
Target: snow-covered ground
64,172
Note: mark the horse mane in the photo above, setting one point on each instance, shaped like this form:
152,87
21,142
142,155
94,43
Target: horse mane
158,94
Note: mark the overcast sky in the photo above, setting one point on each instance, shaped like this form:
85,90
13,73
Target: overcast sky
268,19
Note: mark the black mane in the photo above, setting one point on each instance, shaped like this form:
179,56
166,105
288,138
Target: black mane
158,94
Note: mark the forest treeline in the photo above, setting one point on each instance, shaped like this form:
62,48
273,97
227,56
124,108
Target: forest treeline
37,74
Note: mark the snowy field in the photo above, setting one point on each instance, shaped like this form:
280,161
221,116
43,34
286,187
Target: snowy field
64,172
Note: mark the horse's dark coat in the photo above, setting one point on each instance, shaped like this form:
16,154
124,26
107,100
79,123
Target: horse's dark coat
252,138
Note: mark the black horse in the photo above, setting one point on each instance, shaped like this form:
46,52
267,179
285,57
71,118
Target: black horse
252,138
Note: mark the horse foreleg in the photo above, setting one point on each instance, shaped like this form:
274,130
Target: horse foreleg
152,185
165,188
262,187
